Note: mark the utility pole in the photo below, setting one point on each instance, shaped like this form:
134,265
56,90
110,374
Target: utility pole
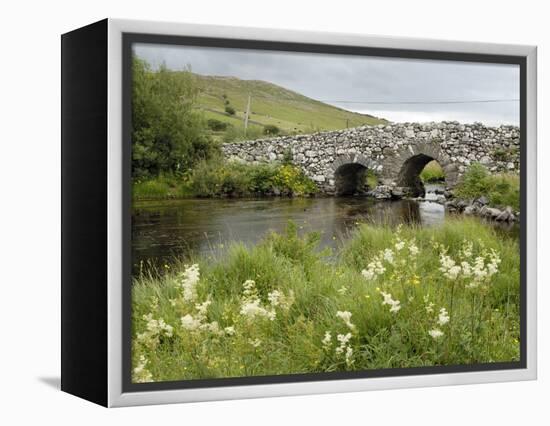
246,115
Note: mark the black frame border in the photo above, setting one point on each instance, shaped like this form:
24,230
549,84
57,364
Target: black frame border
128,39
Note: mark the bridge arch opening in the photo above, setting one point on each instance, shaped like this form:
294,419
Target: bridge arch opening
418,170
351,179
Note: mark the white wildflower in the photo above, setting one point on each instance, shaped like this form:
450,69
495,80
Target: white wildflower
388,256
349,356
479,270
492,266
436,333
342,290
466,269
395,305
413,249
212,327
253,309
449,267
327,340
368,274
467,249
190,323
374,269
202,309
229,331
274,297
190,279
344,338
255,343
141,374
399,245
443,317
346,317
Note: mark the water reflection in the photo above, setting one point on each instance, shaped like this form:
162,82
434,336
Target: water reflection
162,230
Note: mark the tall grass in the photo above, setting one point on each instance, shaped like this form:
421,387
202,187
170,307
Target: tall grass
391,299
162,187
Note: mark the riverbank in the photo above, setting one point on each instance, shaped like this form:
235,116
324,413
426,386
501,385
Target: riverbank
491,196
221,179
414,297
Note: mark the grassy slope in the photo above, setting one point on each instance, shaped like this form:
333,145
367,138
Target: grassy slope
272,104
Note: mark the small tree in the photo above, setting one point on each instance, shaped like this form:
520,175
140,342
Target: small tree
270,129
230,110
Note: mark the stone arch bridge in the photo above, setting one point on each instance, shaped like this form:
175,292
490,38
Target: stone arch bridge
397,153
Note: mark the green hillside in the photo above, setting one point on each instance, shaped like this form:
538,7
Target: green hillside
273,105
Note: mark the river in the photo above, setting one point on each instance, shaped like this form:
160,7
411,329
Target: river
162,230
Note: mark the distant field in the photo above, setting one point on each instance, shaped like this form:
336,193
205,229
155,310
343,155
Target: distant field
273,105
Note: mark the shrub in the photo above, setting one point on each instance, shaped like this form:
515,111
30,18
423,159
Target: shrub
291,178
217,125
501,189
220,179
270,129
230,110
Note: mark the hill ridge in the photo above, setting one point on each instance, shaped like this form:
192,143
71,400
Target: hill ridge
273,105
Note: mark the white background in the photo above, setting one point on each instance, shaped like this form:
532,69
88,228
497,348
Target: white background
30,210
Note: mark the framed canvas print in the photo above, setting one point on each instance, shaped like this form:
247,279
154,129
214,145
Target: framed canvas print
252,213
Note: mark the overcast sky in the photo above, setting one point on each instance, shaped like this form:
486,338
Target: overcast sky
387,88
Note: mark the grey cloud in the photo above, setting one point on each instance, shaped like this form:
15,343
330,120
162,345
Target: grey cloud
335,78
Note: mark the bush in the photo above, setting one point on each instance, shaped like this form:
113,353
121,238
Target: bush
291,178
501,189
167,130
223,179
270,129
230,110
217,125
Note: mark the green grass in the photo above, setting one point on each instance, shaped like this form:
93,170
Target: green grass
432,172
483,326
272,105
501,189
160,188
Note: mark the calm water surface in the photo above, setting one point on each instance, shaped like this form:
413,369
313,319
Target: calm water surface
165,229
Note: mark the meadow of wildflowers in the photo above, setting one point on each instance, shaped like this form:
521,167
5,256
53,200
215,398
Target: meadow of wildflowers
393,297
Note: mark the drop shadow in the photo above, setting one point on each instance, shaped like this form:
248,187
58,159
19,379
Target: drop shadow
53,382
